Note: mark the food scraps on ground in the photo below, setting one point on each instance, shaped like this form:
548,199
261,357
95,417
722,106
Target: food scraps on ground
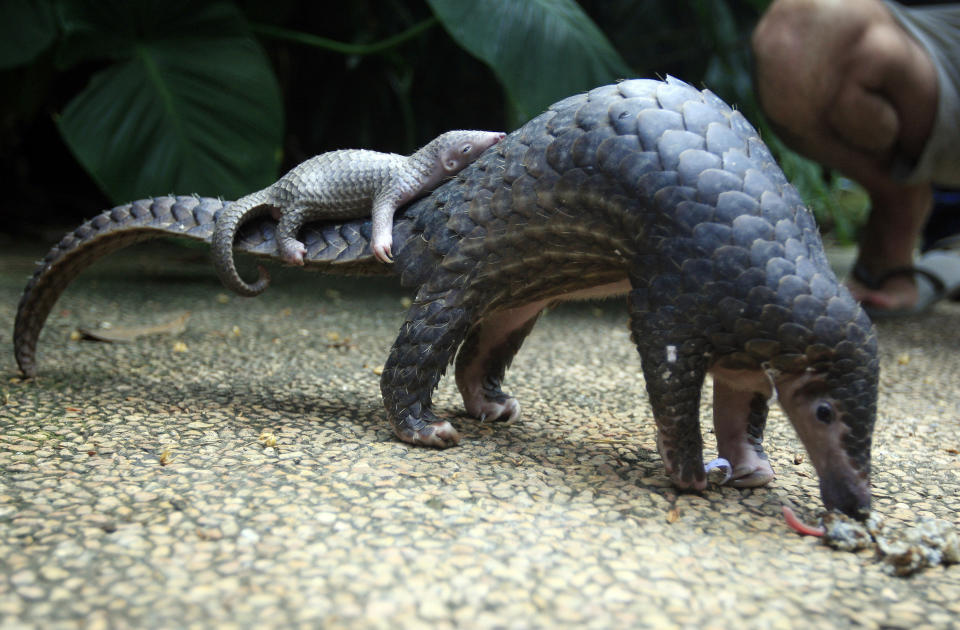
928,543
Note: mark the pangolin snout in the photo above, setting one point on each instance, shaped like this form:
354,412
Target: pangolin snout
852,497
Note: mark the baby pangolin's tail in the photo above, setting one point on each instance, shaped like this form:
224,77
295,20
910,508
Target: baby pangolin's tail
229,221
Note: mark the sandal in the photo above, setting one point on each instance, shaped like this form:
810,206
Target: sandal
943,263
930,287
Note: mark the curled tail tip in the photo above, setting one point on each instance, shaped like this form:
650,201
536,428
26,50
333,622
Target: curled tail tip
251,289
230,277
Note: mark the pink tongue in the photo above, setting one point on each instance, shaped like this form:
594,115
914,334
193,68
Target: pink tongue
799,526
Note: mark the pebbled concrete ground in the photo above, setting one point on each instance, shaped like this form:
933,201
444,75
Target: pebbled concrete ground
241,474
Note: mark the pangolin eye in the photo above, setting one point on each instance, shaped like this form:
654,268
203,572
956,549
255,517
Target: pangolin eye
825,413
466,148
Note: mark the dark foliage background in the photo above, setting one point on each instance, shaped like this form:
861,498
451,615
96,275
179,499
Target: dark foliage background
108,100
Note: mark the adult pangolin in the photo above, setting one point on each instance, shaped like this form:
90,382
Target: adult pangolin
649,188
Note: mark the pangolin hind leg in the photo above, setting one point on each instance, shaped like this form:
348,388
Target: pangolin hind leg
436,325
484,358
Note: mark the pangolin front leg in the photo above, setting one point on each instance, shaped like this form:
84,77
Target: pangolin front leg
289,222
739,418
674,368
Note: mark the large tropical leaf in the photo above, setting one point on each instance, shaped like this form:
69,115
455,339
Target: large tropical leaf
27,28
190,104
540,50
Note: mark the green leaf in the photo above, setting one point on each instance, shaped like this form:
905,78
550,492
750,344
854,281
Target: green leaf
27,28
540,50
191,105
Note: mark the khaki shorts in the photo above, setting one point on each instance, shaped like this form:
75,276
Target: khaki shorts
937,28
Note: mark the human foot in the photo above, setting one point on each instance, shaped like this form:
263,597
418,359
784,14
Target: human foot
907,290
891,290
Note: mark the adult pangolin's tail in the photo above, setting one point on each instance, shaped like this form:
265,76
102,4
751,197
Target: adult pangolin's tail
342,248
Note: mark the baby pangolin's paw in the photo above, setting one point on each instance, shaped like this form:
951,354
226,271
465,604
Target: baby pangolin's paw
382,250
292,252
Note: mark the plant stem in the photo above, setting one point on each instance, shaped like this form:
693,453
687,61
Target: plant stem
309,39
